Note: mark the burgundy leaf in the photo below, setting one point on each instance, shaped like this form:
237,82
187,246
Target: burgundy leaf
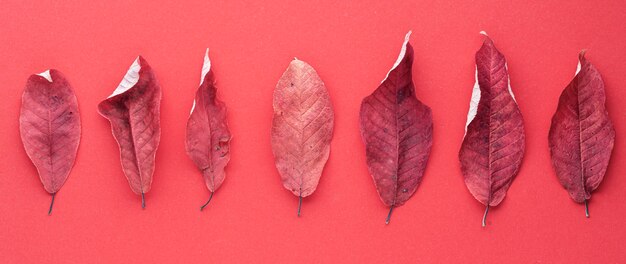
581,135
493,145
397,130
133,110
50,128
302,128
208,138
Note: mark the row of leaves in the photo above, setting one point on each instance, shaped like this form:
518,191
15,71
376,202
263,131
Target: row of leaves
396,129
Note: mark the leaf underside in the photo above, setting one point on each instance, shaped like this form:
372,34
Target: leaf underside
134,115
493,147
396,129
50,127
581,135
302,128
208,138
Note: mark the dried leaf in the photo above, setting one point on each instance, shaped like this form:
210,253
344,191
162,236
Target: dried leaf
208,138
134,110
302,128
581,135
396,129
493,145
50,128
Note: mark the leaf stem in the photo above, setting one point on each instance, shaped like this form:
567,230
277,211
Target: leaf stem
485,216
143,201
587,208
299,204
389,215
51,204
207,202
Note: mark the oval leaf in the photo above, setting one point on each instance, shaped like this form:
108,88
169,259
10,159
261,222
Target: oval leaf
133,110
396,129
493,145
50,128
208,138
302,128
581,135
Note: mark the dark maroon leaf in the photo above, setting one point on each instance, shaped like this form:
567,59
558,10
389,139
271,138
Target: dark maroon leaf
493,145
396,129
581,135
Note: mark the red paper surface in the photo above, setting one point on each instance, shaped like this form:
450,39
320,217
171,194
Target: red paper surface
352,45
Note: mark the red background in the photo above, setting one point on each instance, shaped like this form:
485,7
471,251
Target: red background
352,45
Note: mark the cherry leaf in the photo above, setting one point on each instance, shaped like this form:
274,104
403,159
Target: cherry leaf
50,128
208,138
302,128
493,145
582,136
396,129
134,111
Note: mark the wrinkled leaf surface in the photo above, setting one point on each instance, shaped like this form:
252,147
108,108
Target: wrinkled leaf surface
134,111
208,137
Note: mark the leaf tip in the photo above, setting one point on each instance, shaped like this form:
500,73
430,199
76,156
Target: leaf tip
46,75
482,32
130,79
206,66
401,55
587,208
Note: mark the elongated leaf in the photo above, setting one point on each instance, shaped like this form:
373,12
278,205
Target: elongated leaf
493,145
396,129
50,128
208,138
134,111
302,128
581,135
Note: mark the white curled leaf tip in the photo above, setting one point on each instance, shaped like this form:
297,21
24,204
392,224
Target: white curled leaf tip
130,79
206,66
508,81
482,32
46,74
578,67
473,102
401,56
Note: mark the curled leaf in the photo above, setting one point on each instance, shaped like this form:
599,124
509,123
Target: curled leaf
134,111
493,145
50,128
581,134
208,138
302,128
396,129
